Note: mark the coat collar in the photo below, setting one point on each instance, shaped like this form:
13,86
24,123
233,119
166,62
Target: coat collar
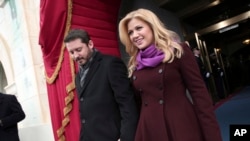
92,69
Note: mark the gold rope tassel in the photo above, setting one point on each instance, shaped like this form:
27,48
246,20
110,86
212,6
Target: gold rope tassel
70,87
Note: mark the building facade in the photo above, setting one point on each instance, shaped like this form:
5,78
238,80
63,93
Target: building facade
21,66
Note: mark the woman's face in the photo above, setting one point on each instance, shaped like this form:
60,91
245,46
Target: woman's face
140,33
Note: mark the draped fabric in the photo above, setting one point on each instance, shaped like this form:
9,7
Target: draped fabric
99,18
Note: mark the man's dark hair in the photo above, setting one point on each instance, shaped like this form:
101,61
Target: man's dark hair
77,34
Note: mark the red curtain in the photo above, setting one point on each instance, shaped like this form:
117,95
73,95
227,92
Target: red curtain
99,18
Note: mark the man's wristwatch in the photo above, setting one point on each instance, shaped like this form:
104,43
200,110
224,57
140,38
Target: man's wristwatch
1,124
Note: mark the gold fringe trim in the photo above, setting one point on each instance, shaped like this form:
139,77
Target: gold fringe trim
53,77
71,86
62,138
67,109
65,121
60,133
69,98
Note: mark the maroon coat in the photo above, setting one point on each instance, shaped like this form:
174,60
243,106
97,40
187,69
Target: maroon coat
166,112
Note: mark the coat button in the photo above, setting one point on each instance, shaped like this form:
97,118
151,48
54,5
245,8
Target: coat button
134,77
161,101
145,103
83,121
81,99
160,71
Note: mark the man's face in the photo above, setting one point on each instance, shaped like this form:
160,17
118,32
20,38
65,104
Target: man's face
80,52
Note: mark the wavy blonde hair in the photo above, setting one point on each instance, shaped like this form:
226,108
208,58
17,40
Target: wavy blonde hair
165,40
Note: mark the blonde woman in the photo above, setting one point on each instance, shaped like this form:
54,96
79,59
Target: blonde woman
161,69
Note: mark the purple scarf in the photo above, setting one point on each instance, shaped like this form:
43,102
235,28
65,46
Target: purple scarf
150,57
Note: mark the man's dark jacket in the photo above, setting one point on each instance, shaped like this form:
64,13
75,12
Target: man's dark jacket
11,113
107,106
